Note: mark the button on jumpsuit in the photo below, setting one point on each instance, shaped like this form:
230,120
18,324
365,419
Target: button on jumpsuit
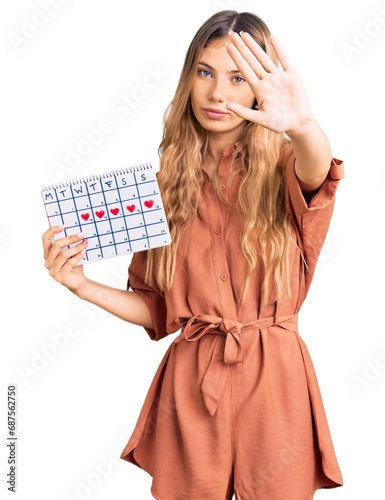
235,406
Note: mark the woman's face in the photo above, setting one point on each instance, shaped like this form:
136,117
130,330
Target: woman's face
217,82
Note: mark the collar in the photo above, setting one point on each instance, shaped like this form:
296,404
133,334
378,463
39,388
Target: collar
229,150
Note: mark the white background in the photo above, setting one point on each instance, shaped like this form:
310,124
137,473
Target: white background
78,405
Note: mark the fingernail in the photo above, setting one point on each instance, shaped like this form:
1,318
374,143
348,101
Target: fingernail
61,226
230,32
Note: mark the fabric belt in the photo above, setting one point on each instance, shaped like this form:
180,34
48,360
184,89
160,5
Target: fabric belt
216,373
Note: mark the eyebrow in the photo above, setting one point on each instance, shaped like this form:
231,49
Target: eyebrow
212,69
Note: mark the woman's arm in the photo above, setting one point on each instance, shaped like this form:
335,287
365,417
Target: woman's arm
313,155
124,304
62,267
283,106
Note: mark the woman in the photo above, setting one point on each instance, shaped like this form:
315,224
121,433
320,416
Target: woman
234,406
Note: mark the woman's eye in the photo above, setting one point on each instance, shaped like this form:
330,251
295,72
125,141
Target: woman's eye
200,71
240,78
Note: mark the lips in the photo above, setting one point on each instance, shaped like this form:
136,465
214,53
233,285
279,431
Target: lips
212,110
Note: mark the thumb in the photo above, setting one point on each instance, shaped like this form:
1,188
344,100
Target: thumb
245,113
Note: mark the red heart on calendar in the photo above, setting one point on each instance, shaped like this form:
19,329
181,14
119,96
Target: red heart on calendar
114,211
149,203
100,214
131,208
85,216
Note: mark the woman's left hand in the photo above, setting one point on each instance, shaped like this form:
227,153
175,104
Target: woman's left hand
283,105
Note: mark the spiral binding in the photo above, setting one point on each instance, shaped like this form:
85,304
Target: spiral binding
104,175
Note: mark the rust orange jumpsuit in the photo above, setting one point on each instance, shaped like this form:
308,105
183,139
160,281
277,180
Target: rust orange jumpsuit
235,406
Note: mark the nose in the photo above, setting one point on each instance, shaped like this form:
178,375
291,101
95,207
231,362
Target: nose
217,90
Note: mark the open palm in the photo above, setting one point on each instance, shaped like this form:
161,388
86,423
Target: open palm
283,105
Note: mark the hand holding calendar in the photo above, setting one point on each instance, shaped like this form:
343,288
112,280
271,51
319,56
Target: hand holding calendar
62,265
120,212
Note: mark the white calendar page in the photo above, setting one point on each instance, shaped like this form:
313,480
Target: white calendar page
119,212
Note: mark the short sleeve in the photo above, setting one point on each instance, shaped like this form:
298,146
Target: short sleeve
152,296
312,212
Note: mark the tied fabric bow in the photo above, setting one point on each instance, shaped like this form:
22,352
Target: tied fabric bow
216,373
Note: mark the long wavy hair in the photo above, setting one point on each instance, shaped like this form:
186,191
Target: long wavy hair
261,195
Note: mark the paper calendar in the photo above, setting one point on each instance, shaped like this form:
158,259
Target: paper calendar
120,212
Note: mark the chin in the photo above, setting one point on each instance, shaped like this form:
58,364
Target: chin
209,124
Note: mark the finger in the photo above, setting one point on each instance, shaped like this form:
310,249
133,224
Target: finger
250,56
47,238
56,268
247,113
281,54
251,70
70,264
248,41
57,247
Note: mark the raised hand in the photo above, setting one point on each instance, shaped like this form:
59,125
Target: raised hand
283,105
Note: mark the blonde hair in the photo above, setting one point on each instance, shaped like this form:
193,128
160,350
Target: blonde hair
261,195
